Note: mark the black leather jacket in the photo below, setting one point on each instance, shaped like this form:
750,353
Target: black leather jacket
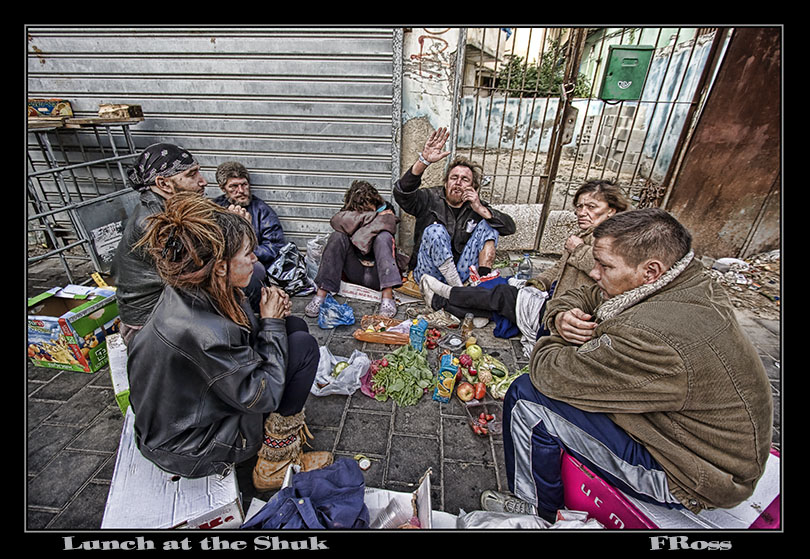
138,285
200,385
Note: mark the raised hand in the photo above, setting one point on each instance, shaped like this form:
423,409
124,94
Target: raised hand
434,146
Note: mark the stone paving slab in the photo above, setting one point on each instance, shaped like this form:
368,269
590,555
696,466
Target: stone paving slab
74,425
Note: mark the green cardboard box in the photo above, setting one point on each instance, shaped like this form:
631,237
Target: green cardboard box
68,327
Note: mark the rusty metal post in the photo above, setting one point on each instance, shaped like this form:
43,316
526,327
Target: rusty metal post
701,91
572,60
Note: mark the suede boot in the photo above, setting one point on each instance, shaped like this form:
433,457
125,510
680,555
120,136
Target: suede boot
284,437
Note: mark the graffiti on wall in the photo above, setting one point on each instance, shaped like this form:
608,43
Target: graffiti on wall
431,61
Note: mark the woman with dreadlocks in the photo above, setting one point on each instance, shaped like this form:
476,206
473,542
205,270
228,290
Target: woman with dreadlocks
212,384
361,248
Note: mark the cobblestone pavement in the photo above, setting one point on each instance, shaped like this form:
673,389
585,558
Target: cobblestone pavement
74,425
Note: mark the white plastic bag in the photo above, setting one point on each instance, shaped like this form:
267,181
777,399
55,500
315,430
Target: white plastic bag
566,520
347,382
314,251
483,520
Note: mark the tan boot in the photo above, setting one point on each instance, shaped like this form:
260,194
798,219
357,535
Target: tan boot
284,437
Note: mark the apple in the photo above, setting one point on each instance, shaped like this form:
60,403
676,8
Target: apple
465,391
475,352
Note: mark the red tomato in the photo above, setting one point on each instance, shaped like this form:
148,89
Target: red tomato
480,390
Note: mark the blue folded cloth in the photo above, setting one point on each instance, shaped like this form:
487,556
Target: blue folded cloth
329,498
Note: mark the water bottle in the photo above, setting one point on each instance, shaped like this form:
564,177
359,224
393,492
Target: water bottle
524,270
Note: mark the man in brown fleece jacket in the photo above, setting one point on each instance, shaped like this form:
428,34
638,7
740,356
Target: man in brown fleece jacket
647,379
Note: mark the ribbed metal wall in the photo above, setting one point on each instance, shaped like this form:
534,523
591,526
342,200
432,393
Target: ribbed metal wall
307,111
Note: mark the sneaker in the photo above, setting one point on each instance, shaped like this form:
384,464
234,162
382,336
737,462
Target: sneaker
441,319
388,308
495,501
314,307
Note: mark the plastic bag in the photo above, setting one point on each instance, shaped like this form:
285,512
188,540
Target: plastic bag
347,382
333,314
566,520
314,251
289,272
484,520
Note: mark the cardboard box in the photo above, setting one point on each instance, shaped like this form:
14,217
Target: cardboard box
120,111
142,496
354,291
388,510
49,108
68,327
117,351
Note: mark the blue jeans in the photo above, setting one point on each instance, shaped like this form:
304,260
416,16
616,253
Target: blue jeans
437,246
537,429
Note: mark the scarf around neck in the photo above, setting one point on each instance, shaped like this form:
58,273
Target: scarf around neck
615,305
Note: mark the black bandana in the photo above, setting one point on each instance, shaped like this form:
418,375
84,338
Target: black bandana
163,160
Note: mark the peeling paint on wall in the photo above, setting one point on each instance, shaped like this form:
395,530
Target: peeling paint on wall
428,74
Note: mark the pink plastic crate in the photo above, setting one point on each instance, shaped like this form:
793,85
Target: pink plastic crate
585,491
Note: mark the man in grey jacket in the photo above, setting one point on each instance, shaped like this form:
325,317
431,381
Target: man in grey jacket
646,378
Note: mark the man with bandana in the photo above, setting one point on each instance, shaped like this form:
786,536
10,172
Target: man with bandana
161,171
647,379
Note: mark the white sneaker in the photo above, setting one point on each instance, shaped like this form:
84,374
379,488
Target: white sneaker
313,309
495,501
388,308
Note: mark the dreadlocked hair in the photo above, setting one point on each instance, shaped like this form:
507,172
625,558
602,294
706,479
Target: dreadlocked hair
189,238
361,196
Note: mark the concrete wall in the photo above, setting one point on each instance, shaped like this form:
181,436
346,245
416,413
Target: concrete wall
428,81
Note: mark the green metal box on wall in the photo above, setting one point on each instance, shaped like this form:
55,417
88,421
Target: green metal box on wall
625,72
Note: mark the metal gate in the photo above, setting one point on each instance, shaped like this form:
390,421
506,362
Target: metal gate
307,111
530,110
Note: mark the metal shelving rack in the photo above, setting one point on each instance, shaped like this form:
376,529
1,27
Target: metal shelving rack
78,192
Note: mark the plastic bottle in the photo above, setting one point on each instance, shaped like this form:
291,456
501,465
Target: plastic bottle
524,270
467,326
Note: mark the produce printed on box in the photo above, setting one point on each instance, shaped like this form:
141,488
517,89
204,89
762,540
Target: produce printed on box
68,327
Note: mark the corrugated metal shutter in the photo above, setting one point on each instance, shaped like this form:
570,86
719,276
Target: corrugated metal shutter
307,111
